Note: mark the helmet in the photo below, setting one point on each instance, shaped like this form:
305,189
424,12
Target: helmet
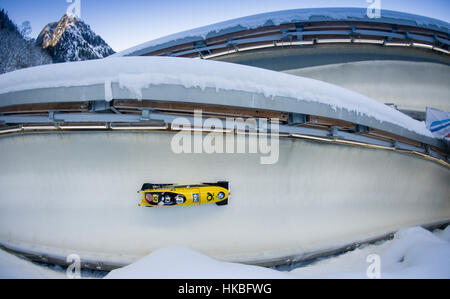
179,199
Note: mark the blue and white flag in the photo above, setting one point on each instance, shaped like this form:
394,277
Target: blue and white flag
438,122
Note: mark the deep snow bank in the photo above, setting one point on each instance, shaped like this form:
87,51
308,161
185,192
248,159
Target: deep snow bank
413,253
13,267
185,263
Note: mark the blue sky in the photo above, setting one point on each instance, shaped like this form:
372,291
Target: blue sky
124,24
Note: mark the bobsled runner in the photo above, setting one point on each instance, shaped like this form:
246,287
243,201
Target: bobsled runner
157,195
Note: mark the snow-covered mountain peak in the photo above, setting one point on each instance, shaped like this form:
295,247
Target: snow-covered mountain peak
52,33
71,39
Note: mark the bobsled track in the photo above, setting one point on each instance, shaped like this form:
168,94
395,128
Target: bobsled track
342,46
78,140
77,195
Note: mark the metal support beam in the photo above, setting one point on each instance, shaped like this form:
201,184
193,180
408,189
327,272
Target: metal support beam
145,114
361,129
334,131
51,116
407,36
232,43
100,106
296,119
299,28
113,109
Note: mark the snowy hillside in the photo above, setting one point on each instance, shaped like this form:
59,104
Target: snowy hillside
71,39
16,50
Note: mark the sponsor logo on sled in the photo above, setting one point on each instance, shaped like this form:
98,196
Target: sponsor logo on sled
195,197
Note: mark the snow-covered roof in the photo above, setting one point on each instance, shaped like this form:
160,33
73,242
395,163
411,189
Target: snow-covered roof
197,81
284,17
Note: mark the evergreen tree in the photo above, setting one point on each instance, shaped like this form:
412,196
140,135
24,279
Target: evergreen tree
17,51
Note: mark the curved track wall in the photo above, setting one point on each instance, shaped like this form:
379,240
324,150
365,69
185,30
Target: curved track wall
412,79
76,193
409,85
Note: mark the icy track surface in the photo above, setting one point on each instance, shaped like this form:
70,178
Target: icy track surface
414,81
413,253
76,193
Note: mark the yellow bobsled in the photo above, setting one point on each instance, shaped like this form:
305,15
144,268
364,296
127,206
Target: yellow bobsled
163,195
